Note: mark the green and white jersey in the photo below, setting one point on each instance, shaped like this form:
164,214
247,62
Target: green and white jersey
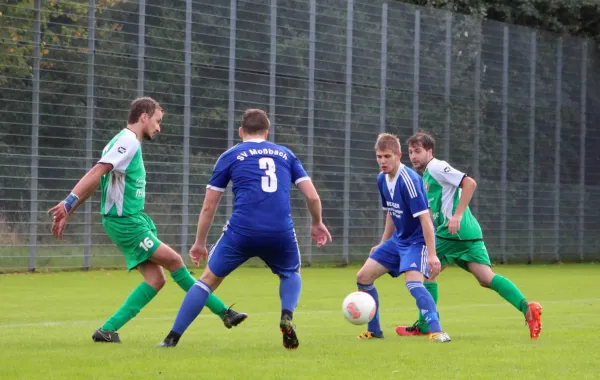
442,183
124,187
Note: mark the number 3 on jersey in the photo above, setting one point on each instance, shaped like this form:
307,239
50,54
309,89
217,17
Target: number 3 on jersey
268,181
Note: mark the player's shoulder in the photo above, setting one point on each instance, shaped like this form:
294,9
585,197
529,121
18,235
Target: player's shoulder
227,156
282,148
409,175
438,166
125,141
381,178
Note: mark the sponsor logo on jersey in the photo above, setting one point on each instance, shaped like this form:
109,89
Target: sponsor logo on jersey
121,150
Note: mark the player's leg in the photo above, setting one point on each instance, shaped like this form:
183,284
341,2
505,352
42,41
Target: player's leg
413,263
224,257
282,255
384,259
420,327
172,261
168,258
138,243
154,280
449,252
479,265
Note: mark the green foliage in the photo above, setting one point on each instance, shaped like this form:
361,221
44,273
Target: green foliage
63,25
577,18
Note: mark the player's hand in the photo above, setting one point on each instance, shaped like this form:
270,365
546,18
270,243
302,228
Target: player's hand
374,248
320,234
434,264
198,252
58,227
59,219
454,224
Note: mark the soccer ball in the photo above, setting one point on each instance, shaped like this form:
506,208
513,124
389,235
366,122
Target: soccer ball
359,308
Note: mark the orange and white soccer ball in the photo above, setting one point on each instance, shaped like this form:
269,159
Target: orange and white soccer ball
359,308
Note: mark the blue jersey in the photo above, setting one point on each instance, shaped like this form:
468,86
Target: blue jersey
405,198
262,174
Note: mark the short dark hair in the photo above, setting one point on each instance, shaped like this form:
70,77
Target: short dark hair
388,141
423,139
255,121
140,106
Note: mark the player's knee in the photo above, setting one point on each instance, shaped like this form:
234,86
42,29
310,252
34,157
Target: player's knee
364,277
173,263
156,280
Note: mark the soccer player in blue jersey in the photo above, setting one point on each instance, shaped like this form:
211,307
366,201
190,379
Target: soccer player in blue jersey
408,242
261,223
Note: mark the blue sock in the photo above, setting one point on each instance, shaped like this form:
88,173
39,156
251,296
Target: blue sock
426,304
289,291
192,306
373,326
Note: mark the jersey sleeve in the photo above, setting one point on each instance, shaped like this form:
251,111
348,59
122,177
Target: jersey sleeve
415,195
221,175
444,173
120,154
298,172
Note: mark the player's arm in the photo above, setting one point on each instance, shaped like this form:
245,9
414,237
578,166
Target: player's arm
415,193
313,201
318,231
389,228
80,193
448,176
429,236
468,186
87,185
207,214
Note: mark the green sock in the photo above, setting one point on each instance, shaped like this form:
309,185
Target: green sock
509,292
184,279
432,288
132,306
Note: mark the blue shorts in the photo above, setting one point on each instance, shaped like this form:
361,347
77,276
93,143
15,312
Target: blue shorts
401,258
280,253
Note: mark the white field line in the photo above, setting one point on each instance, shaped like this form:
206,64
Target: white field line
267,313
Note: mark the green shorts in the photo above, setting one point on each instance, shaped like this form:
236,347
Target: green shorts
134,235
462,252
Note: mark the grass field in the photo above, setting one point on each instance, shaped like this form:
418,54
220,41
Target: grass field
46,323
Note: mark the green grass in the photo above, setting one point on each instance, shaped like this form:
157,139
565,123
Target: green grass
46,323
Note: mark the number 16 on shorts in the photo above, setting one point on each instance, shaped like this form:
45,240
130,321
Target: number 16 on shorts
146,244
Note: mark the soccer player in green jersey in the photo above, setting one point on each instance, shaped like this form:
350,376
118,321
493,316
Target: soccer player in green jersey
459,239
122,177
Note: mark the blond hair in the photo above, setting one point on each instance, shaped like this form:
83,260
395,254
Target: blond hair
388,141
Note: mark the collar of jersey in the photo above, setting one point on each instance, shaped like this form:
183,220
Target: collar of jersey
255,140
430,162
387,177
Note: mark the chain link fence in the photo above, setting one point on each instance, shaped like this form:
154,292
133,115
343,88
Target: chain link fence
515,108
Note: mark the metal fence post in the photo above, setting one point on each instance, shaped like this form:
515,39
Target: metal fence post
89,128
531,176
187,121
557,141
383,92
477,116
448,85
348,122
504,140
582,139
35,131
311,114
231,103
141,47
273,69
417,65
